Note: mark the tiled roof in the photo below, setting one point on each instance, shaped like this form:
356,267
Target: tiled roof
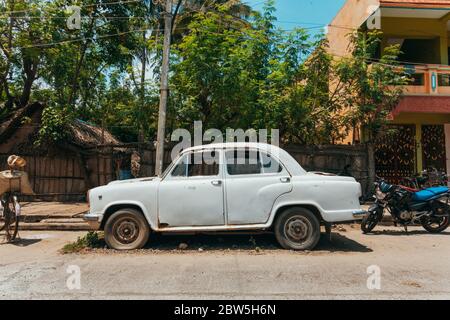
416,3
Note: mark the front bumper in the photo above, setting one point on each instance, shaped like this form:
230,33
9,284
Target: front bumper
93,220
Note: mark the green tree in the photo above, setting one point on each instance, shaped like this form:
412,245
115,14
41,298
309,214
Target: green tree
253,75
368,88
231,67
67,70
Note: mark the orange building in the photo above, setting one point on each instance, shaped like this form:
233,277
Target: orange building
422,117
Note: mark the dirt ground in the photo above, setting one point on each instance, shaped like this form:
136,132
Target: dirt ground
412,266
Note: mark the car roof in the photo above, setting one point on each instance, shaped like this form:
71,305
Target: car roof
233,145
288,161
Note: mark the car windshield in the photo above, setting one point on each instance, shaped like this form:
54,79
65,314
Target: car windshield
169,167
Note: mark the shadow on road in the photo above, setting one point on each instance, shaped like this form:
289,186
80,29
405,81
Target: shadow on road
212,242
401,232
338,243
25,242
21,242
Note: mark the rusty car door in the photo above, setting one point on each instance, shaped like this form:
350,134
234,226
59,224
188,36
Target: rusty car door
251,189
192,193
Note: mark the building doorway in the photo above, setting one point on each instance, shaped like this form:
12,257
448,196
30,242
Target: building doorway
433,147
395,153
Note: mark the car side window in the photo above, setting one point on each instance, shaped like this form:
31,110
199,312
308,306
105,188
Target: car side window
243,162
195,165
270,165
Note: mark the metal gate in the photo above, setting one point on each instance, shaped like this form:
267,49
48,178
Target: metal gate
395,153
433,146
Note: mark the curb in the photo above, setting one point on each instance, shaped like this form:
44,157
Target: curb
41,226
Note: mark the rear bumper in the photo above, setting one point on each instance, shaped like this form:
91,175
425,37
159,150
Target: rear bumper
359,214
344,216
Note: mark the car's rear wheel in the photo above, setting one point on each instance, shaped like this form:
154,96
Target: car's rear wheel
297,229
126,229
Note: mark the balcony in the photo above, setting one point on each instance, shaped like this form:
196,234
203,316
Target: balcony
428,80
428,92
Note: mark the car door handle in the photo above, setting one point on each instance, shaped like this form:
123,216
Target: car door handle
285,180
216,182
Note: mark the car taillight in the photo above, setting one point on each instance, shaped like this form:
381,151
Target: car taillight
87,198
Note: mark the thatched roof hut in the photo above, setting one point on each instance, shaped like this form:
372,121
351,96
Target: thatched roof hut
27,121
84,158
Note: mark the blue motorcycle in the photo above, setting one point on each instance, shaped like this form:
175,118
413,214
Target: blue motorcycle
428,207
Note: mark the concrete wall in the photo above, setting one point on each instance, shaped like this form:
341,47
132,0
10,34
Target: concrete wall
333,159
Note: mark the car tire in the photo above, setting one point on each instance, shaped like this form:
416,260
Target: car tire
126,229
297,229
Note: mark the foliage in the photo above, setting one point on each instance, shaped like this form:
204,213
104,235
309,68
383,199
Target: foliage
91,240
231,67
62,68
369,88
53,125
233,74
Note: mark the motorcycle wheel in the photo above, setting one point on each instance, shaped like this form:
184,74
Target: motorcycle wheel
369,222
436,224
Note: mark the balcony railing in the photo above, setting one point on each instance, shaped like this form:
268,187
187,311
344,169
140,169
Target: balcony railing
428,79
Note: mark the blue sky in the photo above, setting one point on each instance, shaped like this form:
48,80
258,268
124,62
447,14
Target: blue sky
303,13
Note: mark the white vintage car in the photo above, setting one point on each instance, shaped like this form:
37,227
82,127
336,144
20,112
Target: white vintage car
249,186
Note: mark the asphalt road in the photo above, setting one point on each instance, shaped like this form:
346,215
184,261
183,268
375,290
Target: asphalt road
414,266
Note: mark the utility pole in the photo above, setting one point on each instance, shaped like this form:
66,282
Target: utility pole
164,89
141,134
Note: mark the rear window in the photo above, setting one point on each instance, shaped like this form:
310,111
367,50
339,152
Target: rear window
243,162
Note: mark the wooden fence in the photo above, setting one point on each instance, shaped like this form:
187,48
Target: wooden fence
67,177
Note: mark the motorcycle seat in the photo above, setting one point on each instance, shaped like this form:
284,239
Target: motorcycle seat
427,194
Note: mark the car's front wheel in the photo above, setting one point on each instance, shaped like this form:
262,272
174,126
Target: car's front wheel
297,229
126,229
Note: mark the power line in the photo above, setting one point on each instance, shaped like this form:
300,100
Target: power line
111,3
79,39
41,45
146,17
210,9
81,6
300,23
187,28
